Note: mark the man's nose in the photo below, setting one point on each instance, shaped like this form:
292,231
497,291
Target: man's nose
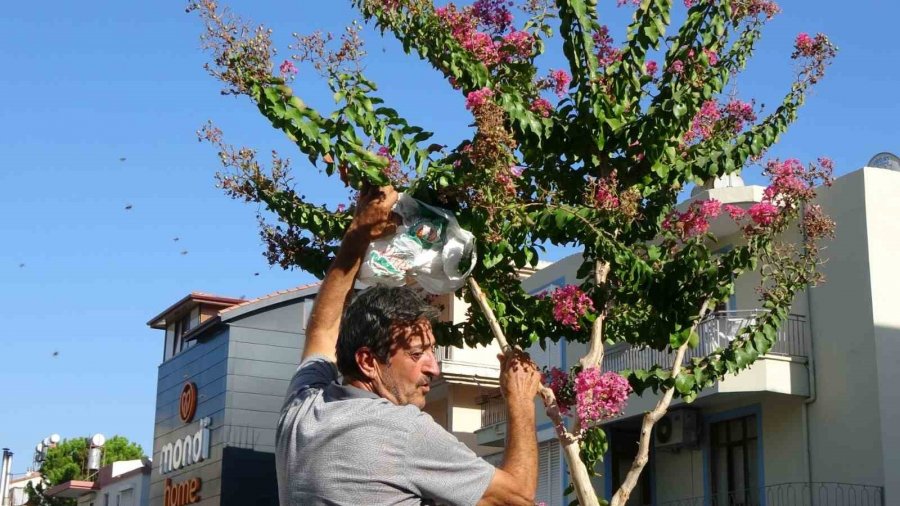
431,367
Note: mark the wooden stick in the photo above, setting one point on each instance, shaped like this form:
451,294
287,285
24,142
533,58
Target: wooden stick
581,479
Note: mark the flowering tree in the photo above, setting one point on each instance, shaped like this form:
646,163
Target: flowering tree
600,169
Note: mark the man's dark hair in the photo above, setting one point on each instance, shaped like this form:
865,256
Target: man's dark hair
368,320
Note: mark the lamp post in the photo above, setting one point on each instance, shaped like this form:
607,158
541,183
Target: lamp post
4,475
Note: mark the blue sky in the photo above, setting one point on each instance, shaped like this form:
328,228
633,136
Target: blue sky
88,83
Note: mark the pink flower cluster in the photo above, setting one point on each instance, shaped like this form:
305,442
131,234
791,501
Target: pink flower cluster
763,213
677,67
811,47
569,305
732,116
651,67
704,122
599,396
560,80
711,56
789,181
542,107
559,381
606,195
287,68
477,98
494,17
738,113
694,221
754,8
620,3
393,168
607,53
494,14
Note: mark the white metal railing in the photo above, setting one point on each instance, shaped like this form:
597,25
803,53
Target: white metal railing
716,331
493,410
792,494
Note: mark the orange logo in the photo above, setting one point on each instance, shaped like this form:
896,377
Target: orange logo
188,405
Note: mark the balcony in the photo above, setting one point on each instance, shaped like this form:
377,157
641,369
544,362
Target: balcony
493,422
783,370
716,331
469,366
792,494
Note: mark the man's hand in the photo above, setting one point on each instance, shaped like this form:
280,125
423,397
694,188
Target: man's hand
515,481
373,219
519,378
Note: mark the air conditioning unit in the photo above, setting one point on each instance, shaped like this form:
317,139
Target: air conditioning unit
680,428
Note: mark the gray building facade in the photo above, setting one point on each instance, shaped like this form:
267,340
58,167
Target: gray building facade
226,367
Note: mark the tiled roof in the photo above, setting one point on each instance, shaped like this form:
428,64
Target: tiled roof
267,296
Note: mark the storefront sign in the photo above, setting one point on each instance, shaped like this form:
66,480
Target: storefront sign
186,451
182,494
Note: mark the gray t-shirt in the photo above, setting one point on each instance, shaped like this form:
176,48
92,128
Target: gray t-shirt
340,445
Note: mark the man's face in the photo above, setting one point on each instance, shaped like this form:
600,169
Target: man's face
411,365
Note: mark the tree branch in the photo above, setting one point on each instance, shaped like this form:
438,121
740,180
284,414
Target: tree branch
650,419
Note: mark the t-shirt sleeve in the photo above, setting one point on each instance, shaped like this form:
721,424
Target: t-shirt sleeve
314,372
441,468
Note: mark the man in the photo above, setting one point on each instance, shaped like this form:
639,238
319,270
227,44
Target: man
366,441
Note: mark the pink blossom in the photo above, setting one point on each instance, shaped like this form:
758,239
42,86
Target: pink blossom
620,3
477,98
826,163
561,80
804,44
734,211
753,8
677,67
606,52
712,57
287,68
559,381
650,68
599,396
493,14
763,213
542,107
694,221
521,42
605,196
704,122
738,113
569,305
341,208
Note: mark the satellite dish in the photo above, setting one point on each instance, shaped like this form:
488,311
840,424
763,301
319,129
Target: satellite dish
885,160
54,438
98,439
39,448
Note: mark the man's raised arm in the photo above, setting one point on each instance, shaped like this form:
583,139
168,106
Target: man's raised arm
371,220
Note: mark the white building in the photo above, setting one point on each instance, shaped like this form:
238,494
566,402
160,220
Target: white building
122,483
16,495
812,422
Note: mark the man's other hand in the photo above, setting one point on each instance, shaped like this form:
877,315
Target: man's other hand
373,218
519,377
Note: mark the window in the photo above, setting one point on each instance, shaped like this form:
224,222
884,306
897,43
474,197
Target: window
623,449
735,462
549,488
125,498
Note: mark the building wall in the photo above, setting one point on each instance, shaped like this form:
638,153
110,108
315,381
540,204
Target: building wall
263,354
883,213
206,365
845,426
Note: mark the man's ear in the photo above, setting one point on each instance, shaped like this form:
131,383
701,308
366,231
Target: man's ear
367,363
